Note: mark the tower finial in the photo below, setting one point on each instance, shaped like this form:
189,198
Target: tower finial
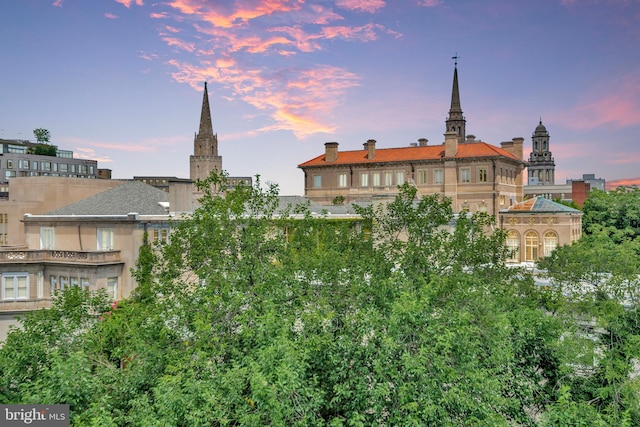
455,60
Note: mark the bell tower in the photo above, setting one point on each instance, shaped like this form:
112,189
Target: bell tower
541,164
205,156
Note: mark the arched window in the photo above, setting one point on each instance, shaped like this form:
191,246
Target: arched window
513,244
550,239
531,246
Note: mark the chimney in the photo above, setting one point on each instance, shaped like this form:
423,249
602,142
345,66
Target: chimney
515,147
422,142
370,146
330,151
450,144
471,138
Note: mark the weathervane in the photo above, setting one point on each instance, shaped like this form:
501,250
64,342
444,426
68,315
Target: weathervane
455,59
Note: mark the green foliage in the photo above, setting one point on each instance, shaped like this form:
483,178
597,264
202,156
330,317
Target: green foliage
255,316
616,212
42,135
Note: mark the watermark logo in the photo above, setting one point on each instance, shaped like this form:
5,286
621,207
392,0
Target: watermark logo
34,415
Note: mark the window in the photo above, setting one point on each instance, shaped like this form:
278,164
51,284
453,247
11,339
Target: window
317,181
15,286
400,177
482,175
161,235
74,281
502,199
84,283
105,239
342,180
376,179
64,282
513,244
9,164
55,167
112,287
82,169
46,166
388,179
531,246
465,175
550,240
438,176
64,167
422,176
23,164
9,174
53,282
34,165
73,168
364,179
46,237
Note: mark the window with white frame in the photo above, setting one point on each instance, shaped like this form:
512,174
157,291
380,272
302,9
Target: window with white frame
550,240
465,175
438,176
15,286
74,282
63,282
46,237
84,283
513,244
112,287
422,176
399,177
531,246
105,239
376,179
388,179
342,179
364,179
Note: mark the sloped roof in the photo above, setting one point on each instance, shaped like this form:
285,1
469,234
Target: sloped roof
317,208
540,204
130,197
403,154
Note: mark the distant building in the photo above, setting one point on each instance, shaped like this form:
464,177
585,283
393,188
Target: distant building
17,160
537,226
477,176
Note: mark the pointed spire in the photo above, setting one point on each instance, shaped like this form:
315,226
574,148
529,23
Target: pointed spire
206,128
455,94
456,122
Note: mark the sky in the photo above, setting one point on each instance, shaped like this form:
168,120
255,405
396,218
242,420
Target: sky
120,81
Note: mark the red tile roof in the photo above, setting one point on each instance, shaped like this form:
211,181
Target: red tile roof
403,154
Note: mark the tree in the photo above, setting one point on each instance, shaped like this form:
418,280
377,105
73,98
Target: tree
43,136
253,315
617,212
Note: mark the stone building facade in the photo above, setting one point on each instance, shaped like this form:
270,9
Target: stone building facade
537,226
477,176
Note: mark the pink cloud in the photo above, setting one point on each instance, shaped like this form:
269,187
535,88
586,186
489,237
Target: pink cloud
159,15
627,182
128,3
110,16
361,5
175,42
57,3
618,105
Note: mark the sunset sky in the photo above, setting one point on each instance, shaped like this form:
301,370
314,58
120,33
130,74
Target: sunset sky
120,81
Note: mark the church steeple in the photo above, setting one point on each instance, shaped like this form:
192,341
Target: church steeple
456,121
541,164
205,145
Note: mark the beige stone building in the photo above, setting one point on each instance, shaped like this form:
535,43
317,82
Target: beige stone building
537,226
477,176
92,243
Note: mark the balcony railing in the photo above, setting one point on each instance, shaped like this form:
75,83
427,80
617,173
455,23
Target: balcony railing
57,256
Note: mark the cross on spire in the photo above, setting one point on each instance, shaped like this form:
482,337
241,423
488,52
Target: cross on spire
455,59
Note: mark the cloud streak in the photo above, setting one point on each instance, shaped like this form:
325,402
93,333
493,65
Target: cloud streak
230,43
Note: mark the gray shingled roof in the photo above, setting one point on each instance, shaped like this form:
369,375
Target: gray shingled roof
130,197
316,208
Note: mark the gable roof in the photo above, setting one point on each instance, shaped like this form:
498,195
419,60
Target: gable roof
130,197
540,204
403,154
